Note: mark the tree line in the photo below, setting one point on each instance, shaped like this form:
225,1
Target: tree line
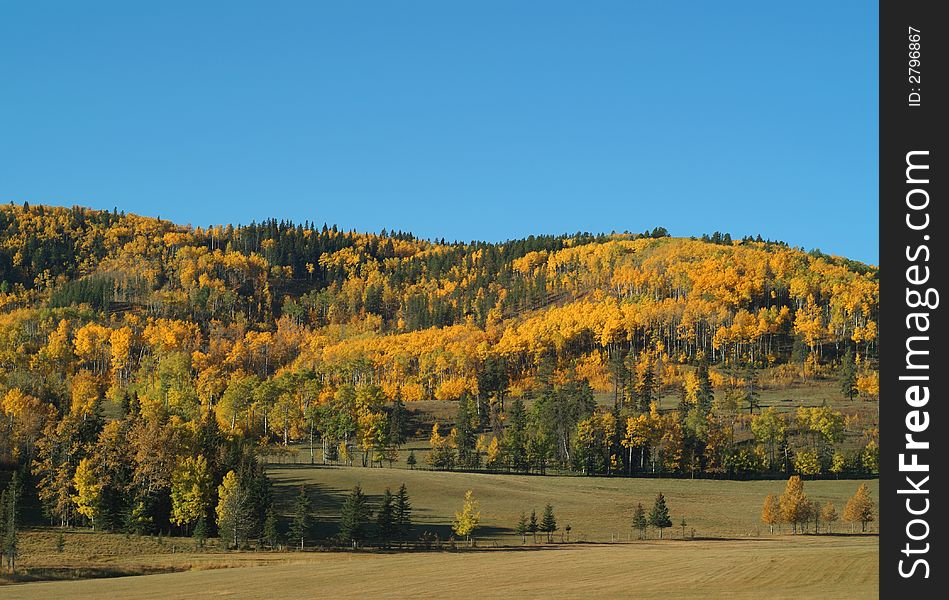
793,507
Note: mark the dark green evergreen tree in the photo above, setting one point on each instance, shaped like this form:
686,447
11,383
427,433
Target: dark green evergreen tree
465,437
300,523
200,533
397,422
706,394
751,396
659,516
403,512
354,517
848,375
532,526
514,442
271,535
386,519
10,515
647,387
548,523
521,528
639,520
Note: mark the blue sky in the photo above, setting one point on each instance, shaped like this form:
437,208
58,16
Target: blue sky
464,120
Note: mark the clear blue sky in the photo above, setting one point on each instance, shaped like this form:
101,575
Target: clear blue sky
464,120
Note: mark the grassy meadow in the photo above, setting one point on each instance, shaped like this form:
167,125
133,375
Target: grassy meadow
597,509
828,567
732,553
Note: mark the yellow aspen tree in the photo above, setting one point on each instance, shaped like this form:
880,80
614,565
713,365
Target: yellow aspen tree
828,514
466,521
771,512
88,490
860,508
190,490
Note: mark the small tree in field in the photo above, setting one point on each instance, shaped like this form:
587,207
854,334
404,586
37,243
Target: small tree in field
860,508
639,520
659,516
828,515
301,517
532,526
386,519
403,512
354,517
794,503
521,528
771,512
466,521
548,523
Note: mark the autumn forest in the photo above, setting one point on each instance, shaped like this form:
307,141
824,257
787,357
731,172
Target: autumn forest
141,360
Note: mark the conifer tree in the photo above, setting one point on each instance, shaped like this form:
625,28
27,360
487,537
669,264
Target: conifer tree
532,526
848,375
751,396
521,528
9,513
386,518
705,395
659,516
403,512
639,520
646,384
300,523
200,533
548,523
397,422
354,517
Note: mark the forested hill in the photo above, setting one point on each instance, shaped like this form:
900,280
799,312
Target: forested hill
131,345
108,293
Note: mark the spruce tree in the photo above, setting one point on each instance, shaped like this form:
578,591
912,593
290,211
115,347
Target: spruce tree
659,517
386,518
270,529
464,436
354,517
532,525
848,375
403,512
639,520
301,517
646,386
706,394
397,422
548,524
521,528
751,388
200,533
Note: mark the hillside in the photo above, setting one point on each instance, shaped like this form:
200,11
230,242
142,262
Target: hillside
128,344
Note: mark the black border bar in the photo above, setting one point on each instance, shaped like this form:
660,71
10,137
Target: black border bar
912,261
